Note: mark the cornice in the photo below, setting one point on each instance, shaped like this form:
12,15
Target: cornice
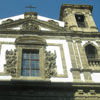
74,6
50,33
48,84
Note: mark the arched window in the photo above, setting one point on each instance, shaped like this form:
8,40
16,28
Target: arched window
91,51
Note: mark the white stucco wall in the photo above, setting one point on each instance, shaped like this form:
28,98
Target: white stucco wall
67,59
4,48
95,77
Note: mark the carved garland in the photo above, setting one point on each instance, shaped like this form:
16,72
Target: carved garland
11,61
50,64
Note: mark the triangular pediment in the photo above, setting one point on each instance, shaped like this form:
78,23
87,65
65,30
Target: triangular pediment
32,24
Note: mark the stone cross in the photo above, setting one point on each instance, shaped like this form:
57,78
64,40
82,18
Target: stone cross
30,7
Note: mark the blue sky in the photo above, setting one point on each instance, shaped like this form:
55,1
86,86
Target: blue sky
47,8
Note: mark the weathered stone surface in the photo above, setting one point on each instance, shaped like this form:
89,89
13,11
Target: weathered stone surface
50,65
11,61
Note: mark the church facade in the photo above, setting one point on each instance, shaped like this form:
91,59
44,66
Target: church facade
43,58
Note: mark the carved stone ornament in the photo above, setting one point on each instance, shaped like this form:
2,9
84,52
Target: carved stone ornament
7,21
53,22
11,61
29,26
50,64
30,40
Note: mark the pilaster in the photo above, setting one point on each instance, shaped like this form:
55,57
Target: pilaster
76,74
82,54
87,75
98,49
72,55
77,55
75,69
84,63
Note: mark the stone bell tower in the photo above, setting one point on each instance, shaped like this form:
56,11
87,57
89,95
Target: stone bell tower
78,17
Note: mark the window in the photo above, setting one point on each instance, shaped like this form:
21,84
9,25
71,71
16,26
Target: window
91,51
31,58
30,63
80,20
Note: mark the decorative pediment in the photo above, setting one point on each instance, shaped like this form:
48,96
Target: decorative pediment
35,40
31,24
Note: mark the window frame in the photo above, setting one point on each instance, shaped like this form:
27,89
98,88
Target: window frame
30,63
41,59
30,43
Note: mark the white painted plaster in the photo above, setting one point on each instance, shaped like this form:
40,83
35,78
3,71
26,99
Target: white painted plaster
94,42
7,39
46,19
13,18
83,43
44,29
38,17
5,78
82,77
67,57
95,77
59,80
4,47
16,28
58,59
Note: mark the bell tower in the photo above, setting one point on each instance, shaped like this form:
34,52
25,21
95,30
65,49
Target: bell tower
78,17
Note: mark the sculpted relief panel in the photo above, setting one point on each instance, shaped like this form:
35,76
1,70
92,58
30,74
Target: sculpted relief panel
50,65
11,62
30,26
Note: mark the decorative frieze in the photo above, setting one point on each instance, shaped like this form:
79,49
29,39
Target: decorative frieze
11,62
50,64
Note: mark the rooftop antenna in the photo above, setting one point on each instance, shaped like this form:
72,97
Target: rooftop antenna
30,7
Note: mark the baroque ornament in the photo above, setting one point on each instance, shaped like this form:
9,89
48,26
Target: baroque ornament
30,26
7,21
11,61
53,22
50,64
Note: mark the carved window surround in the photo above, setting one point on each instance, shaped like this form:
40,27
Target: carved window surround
47,60
94,63
30,43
